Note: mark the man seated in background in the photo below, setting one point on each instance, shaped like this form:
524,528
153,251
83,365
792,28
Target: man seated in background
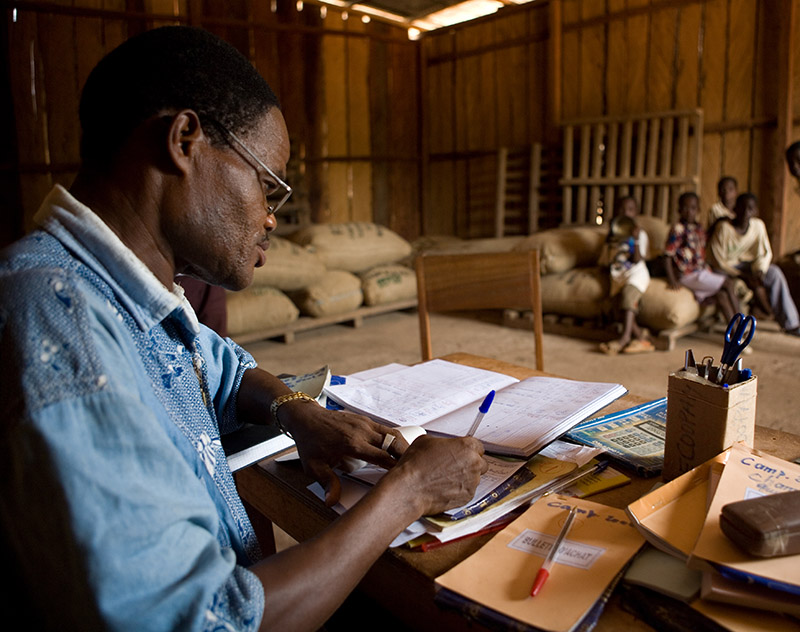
118,508
740,248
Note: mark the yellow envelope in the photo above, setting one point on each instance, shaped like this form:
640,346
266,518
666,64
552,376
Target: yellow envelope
499,576
672,516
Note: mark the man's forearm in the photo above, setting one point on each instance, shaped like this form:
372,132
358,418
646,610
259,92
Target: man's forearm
256,393
305,584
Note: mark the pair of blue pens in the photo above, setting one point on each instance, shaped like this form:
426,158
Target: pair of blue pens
482,410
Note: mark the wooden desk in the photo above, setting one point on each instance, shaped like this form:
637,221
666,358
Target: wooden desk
402,581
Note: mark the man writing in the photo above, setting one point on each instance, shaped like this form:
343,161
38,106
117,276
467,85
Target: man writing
118,508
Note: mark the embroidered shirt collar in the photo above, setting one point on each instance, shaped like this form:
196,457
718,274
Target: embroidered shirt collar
89,237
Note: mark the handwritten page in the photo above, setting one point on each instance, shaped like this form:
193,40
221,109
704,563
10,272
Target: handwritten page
528,413
419,394
443,397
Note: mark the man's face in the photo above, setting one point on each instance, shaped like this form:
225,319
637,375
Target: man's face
224,233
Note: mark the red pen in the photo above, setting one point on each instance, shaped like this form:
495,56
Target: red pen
544,571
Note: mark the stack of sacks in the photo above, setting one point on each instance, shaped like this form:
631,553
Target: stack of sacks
572,282
264,304
326,269
362,262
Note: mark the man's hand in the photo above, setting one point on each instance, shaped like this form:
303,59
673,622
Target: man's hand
325,437
438,473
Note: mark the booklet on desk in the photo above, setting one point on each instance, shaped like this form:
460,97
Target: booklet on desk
254,442
633,437
499,577
443,397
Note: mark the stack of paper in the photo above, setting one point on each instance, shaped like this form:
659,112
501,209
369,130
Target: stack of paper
443,397
506,487
681,518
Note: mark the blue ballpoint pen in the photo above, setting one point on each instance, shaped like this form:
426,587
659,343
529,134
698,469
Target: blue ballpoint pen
482,410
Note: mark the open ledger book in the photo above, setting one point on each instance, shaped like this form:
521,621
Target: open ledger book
443,397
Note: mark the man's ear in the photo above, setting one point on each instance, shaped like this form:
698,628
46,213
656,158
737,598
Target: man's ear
184,137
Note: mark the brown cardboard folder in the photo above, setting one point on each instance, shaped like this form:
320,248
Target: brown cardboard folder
500,575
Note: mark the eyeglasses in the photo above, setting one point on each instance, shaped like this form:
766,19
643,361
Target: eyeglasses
284,190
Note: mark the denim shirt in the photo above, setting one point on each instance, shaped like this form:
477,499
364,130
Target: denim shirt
112,373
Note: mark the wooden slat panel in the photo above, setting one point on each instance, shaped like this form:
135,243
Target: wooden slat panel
642,130
583,171
652,165
569,157
598,132
712,166
663,192
611,166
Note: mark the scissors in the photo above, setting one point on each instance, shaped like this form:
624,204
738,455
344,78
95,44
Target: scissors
738,335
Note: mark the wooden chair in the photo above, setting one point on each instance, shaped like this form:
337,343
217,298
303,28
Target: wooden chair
463,282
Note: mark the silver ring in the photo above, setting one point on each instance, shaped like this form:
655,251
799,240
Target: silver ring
387,441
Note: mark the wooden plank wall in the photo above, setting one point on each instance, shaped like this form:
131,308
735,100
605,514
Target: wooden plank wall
348,89
613,57
483,87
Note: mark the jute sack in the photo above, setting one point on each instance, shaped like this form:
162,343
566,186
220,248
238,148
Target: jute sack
562,249
663,308
353,246
580,292
657,232
388,283
289,266
335,292
258,308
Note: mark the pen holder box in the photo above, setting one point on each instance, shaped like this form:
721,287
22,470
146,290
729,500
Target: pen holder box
703,419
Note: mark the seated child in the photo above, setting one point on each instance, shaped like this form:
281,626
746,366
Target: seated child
686,260
741,248
624,253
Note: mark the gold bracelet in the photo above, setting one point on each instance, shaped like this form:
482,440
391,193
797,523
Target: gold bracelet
280,401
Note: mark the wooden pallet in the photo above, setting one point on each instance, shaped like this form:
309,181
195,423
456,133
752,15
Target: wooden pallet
353,318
